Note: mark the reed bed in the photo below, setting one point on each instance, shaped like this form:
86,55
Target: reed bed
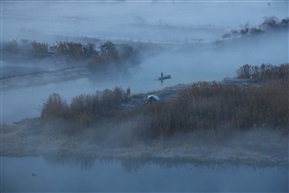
205,106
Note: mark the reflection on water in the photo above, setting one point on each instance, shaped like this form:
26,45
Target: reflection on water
73,173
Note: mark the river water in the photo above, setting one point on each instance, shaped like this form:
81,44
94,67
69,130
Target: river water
38,174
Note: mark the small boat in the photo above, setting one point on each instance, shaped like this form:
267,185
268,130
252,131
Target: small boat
165,77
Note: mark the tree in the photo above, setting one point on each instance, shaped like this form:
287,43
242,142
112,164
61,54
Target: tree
244,71
271,21
108,52
108,48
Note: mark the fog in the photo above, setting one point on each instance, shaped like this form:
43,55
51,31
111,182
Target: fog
187,30
133,20
184,40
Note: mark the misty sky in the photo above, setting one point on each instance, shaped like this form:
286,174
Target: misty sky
137,20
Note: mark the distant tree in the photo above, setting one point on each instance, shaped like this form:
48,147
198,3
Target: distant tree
108,48
255,31
126,52
271,21
285,21
245,29
39,49
89,49
12,47
71,49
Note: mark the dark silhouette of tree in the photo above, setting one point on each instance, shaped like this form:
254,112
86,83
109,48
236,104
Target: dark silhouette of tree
108,49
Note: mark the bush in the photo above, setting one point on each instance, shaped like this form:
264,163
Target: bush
112,56
11,47
270,21
205,106
39,49
214,106
71,49
108,56
269,24
54,108
266,72
89,50
285,22
84,109
108,48
256,31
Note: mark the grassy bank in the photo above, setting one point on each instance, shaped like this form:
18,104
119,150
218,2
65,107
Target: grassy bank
213,106
205,106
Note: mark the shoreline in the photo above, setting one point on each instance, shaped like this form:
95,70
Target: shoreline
35,137
121,135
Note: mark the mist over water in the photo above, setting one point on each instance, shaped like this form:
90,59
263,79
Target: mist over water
185,66
185,38
196,24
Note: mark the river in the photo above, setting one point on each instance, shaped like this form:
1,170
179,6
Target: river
38,174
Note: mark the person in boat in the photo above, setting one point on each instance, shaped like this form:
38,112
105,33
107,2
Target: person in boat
162,77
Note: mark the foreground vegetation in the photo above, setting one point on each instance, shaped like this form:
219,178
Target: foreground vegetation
213,106
205,106
85,109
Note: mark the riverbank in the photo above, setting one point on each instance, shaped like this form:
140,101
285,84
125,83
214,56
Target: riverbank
252,147
124,138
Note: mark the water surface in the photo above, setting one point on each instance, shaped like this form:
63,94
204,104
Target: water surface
59,174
